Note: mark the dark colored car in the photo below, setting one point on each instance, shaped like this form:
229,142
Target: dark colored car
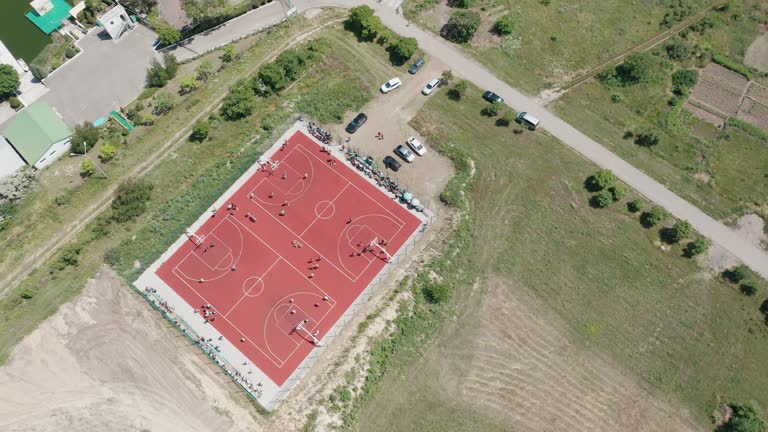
492,97
391,163
355,124
416,66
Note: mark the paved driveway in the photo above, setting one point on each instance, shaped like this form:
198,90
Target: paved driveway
106,75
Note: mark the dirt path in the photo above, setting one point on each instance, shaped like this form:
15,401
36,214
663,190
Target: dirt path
23,268
757,54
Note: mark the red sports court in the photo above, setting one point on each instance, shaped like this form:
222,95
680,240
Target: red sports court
287,254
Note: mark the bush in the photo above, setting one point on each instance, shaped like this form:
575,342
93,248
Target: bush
635,206
171,65
239,102
436,292
156,75
272,77
458,90
745,418
84,138
684,80
107,152
616,98
654,217
492,109
504,26
697,247
164,103
363,22
647,139
87,168
200,131
70,52
39,72
204,71
229,54
506,119
638,68
681,230
677,11
678,50
733,65
14,102
602,199
461,26
9,80
618,192
188,85
447,76
463,4
404,48
69,257
600,180
736,274
131,200
167,34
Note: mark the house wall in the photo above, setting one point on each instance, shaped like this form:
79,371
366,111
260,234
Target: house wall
54,152
10,161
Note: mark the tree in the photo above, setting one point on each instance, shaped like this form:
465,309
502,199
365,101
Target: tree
272,76
697,247
107,152
684,80
602,199
363,22
404,48
506,119
638,68
200,131
131,200
436,292
140,6
600,180
745,418
447,76
461,26
654,217
504,25
458,90
618,192
156,75
9,80
681,230
678,49
635,206
239,103
167,34
492,109
292,64
84,138
171,65
39,72
204,71
87,168
188,85
229,53
736,274
164,103
647,139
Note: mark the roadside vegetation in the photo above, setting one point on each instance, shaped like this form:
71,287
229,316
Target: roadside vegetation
637,110
537,44
619,287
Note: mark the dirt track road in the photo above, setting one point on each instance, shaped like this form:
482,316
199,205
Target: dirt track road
754,257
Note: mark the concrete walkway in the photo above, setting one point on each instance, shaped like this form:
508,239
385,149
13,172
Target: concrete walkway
238,28
462,65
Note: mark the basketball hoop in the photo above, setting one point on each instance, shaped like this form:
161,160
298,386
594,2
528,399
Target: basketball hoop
198,239
300,327
375,244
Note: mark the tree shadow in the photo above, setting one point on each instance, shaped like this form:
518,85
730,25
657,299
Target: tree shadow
646,220
590,184
454,94
668,235
764,310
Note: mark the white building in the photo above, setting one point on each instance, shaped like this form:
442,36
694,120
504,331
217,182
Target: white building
115,21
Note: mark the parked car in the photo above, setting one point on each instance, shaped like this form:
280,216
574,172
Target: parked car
416,66
355,124
391,163
430,86
417,146
528,120
492,97
404,153
391,85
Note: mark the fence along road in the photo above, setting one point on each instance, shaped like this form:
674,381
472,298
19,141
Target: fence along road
719,234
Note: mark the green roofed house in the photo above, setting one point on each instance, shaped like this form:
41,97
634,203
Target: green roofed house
38,134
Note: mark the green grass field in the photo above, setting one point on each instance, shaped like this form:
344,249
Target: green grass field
655,313
554,41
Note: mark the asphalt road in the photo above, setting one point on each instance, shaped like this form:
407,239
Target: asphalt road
462,65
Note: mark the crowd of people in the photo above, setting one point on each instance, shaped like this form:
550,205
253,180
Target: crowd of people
321,134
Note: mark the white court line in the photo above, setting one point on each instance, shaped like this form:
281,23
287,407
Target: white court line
333,201
338,252
282,162
236,259
262,280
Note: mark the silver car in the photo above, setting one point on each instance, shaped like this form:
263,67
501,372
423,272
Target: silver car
404,153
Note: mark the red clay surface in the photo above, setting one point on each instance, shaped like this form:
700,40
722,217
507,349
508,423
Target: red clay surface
260,276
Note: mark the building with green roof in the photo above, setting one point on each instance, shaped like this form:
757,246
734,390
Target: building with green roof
38,134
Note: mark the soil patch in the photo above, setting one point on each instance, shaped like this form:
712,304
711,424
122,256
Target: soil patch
704,114
749,227
720,88
757,54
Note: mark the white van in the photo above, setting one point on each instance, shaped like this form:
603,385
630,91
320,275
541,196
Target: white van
528,120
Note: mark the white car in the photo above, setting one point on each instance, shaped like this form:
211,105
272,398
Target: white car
430,86
391,85
417,146
404,153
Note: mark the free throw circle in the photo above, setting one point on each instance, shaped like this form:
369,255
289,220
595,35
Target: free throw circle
253,286
325,209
